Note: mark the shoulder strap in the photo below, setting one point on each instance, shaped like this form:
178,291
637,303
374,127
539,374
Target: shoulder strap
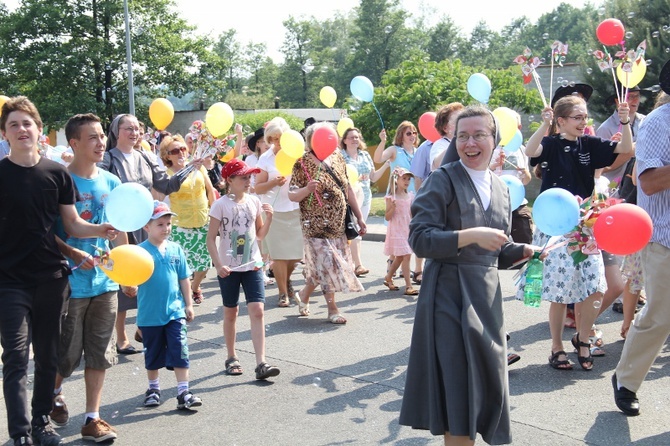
337,180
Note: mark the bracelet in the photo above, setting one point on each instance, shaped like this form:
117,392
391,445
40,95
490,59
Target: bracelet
624,123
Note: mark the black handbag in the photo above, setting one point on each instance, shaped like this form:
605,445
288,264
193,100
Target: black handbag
349,220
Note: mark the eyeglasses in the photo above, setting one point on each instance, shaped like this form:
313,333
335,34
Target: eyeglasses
478,137
177,151
131,129
579,118
410,133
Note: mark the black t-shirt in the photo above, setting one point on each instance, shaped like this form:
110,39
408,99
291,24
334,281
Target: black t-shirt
571,165
29,206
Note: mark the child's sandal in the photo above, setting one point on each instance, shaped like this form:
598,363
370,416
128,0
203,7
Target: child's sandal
583,360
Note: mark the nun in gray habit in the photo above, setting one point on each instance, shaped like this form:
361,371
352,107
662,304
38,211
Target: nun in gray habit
457,374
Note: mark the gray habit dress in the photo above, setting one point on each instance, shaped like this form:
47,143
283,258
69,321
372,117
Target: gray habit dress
457,371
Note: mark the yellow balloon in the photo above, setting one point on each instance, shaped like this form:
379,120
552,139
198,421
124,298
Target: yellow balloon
284,163
3,99
161,113
219,119
292,144
507,124
328,96
629,80
227,157
343,125
352,174
128,265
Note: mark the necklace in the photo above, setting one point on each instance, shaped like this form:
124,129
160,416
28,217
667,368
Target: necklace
487,218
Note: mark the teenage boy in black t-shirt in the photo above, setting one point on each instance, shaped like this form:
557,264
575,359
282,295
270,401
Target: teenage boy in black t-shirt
34,287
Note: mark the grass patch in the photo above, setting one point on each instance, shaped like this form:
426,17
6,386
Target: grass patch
378,206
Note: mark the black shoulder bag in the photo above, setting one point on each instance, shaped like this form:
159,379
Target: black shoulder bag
349,220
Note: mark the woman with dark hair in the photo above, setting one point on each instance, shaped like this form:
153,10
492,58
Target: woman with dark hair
355,154
327,257
457,373
133,166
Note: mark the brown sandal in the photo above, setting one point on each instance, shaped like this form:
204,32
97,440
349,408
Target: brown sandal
389,283
409,291
197,296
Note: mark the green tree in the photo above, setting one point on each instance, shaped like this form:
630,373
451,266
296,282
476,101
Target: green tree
293,85
444,41
419,85
643,20
72,58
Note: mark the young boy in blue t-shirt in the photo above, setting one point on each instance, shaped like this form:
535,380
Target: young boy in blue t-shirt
164,306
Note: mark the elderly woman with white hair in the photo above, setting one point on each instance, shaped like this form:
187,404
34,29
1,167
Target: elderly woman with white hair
133,166
284,240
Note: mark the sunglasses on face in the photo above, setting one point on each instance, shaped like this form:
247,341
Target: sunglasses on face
410,133
177,151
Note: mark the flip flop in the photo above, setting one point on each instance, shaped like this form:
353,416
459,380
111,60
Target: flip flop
130,350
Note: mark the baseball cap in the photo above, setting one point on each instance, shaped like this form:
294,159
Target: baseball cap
401,172
161,209
237,167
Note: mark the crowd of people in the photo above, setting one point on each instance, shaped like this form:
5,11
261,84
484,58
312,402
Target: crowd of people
445,205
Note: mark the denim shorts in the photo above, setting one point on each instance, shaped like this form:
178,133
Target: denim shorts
252,284
166,345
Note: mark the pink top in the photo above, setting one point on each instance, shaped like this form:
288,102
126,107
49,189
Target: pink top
397,232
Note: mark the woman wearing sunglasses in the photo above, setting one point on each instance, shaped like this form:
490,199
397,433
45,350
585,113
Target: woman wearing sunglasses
400,154
191,203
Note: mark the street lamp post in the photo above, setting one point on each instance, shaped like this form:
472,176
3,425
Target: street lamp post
129,61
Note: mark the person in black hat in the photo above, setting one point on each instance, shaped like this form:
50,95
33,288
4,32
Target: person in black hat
648,334
583,90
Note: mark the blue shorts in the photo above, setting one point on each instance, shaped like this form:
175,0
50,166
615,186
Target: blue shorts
252,284
166,345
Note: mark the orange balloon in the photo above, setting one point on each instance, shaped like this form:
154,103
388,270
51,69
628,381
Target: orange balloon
3,99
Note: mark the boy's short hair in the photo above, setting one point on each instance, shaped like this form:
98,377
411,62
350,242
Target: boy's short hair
74,124
19,103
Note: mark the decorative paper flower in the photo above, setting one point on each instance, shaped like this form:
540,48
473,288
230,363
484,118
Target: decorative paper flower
581,242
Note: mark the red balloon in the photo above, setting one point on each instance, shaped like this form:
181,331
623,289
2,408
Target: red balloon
623,229
610,32
427,127
324,142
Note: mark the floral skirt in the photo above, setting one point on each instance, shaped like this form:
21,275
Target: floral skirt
194,243
563,281
632,270
328,263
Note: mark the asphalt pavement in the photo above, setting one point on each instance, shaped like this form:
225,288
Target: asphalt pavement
344,384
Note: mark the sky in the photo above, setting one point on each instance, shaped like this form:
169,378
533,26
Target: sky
261,21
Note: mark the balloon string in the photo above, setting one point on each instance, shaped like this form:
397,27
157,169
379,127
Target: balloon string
378,114
311,195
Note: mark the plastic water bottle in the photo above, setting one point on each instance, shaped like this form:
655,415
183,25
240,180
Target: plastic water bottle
532,293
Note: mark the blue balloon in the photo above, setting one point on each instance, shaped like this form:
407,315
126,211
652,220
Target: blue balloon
514,144
516,190
362,89
479,87
129,207
556,211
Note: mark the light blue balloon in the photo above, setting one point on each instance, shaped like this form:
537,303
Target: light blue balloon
479,87
556,211
129,207
516,190
514,144
362,89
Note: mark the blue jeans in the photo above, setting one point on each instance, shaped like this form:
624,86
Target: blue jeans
252,284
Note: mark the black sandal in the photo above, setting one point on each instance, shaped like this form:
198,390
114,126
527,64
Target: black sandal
582,359
559,364
417,277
